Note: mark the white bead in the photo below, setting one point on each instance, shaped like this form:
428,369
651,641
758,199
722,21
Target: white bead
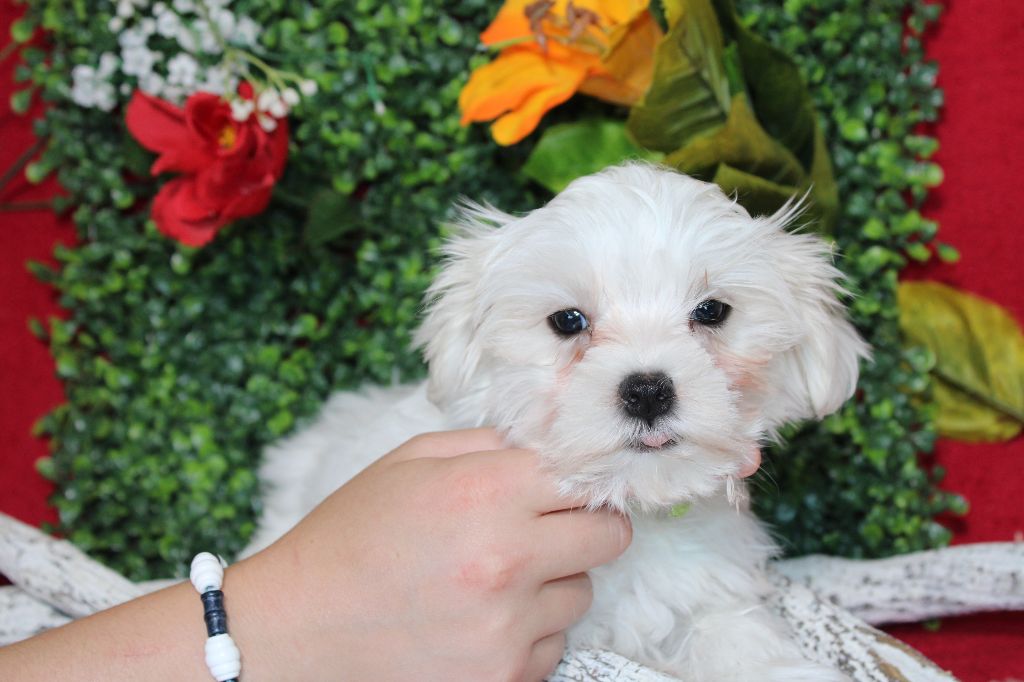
223,658
206,572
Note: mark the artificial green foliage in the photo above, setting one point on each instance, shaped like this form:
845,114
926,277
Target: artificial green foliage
689,59
180,365
728,107
978,350
852,484
567,151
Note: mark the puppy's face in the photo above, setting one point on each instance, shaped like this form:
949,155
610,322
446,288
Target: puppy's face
641,331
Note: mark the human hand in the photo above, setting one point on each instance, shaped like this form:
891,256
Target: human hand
450,558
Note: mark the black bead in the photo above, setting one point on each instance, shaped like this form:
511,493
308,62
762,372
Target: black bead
213,612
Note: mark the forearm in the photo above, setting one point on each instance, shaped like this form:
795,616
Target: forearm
157,637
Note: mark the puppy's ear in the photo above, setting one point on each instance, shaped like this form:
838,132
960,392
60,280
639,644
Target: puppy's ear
454,305
819,373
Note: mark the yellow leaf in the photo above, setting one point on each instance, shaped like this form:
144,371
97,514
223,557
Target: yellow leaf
979,359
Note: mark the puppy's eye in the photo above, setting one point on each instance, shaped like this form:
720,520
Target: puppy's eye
710,313
568,322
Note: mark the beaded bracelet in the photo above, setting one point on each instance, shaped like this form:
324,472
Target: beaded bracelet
222,656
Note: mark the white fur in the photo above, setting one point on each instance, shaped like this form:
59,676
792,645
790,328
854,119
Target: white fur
636,248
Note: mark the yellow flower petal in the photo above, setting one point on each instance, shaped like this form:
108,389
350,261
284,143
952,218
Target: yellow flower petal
517,124
509,24
625,75
508,81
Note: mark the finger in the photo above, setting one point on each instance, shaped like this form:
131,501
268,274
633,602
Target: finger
438,444
544,656
523,482
533,486
577,540
562,602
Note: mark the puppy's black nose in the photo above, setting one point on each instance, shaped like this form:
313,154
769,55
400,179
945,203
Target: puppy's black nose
647,396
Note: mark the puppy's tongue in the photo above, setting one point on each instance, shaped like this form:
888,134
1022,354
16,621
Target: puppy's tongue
655,440
752,462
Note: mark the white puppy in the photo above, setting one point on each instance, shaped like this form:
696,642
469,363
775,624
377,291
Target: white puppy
644,334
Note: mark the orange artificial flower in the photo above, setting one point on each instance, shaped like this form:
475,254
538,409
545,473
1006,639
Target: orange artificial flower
551,49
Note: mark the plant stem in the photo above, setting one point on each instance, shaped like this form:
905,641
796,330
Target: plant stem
20,163
271,73
17,206
214,28
8,49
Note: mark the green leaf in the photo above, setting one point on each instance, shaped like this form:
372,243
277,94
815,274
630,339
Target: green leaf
331,215
21,100
785,109
689,94
947,253
571,150
824,190
22,29
46,468
743,159
774,84
743,144
979,352
758,195
918,252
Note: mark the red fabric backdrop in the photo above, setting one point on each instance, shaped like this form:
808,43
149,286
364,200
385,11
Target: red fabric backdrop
978,46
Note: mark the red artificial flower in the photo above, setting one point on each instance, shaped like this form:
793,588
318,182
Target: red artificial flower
228,167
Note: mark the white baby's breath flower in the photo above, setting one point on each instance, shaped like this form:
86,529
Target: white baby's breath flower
182,70
308,87
125,9
266,99
184,6
268,123
152,84
89,89
138,61
115,24
168,24
218,81
83,85
290,96
105,96
247,32
174,93
241,109
147,26
108,65
82,72
278,109
133,37
224,20
186,38
207,39
159,9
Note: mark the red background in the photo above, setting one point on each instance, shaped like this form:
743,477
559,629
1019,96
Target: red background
980,48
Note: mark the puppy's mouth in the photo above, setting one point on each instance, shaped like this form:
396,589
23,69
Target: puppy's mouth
652,442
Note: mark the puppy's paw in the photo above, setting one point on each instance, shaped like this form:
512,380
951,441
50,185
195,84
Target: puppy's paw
748,644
